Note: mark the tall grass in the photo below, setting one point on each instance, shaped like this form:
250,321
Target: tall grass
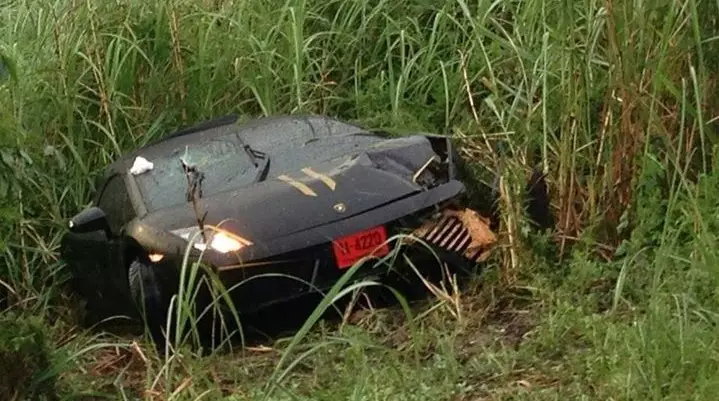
612,99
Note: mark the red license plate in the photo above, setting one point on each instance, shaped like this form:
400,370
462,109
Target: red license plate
350,249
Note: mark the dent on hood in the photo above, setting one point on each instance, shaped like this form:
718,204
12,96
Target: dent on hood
408,157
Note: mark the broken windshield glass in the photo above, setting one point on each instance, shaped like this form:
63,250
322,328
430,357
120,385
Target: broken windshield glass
225,164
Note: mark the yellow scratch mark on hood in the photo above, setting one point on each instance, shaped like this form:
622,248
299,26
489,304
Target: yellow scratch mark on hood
319,176
302,187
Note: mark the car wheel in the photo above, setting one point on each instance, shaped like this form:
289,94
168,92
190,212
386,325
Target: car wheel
149,299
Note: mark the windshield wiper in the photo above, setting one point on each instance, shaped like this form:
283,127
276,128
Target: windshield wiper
263,166
254,154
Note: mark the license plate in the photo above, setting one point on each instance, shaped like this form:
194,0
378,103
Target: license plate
350,249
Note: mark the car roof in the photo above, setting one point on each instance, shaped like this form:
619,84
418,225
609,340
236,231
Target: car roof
260,133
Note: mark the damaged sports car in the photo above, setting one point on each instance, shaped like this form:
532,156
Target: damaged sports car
302,198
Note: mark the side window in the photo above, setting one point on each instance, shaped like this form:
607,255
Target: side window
115,202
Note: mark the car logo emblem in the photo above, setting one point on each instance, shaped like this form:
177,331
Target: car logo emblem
340,207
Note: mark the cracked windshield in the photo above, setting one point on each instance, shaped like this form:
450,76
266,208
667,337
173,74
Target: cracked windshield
223,163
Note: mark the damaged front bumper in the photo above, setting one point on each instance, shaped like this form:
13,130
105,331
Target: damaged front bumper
464,232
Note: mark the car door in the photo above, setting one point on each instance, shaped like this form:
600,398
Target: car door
98,266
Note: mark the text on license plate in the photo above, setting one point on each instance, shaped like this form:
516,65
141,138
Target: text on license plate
350,249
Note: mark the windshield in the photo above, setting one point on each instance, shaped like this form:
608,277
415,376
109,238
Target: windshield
224,163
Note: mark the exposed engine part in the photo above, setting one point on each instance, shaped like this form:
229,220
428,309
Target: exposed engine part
417,175
464,232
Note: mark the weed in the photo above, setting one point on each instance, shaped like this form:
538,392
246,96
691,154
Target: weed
610,100
25,357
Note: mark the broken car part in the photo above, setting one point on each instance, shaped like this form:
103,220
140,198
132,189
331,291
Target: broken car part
465,232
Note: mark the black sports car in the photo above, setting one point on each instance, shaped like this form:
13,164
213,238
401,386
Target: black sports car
304,197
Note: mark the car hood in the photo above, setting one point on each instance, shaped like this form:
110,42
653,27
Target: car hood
312,196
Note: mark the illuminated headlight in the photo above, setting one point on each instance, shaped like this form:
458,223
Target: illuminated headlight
219,240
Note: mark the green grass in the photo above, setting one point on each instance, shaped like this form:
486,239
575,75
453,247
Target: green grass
613,99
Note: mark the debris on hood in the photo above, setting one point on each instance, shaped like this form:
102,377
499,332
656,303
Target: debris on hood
140,166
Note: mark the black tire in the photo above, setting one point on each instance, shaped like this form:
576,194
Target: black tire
149,298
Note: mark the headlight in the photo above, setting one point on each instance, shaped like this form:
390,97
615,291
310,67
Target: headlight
219,240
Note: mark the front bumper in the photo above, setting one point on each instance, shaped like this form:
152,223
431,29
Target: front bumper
304,263
159,241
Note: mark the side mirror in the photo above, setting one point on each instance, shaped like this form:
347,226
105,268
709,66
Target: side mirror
89,220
